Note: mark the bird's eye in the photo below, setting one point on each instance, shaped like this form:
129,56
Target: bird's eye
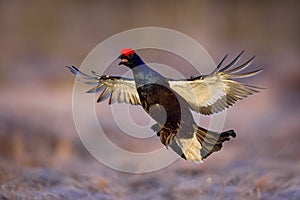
130,56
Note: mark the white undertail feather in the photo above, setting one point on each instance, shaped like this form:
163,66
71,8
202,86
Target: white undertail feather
191,148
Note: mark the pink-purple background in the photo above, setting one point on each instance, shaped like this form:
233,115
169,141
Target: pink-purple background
40,153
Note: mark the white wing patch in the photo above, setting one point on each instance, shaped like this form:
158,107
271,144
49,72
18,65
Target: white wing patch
215,92
117,89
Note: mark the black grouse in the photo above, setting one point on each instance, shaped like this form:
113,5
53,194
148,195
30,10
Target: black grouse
170,102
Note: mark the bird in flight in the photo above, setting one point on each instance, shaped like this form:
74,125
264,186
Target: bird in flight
170,102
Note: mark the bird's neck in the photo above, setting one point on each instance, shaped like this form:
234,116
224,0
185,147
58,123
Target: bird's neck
144,75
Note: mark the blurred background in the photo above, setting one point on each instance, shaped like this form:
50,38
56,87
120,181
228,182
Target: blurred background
41,155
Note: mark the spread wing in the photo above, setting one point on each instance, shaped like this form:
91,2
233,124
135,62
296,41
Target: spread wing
117,89
217,91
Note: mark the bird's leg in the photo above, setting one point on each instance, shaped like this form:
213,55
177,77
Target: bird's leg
169,140
170,136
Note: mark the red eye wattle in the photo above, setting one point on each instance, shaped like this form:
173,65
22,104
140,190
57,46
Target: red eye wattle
127,51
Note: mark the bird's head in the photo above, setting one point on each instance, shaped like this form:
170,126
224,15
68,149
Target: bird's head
129,58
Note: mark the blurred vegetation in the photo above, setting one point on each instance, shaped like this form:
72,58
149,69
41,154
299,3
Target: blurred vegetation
38,37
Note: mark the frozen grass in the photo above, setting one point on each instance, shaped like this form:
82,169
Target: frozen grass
42,160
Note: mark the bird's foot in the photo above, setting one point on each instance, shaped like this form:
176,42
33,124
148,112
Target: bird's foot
169,139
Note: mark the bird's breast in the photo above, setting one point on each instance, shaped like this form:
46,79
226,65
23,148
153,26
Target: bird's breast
160,102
